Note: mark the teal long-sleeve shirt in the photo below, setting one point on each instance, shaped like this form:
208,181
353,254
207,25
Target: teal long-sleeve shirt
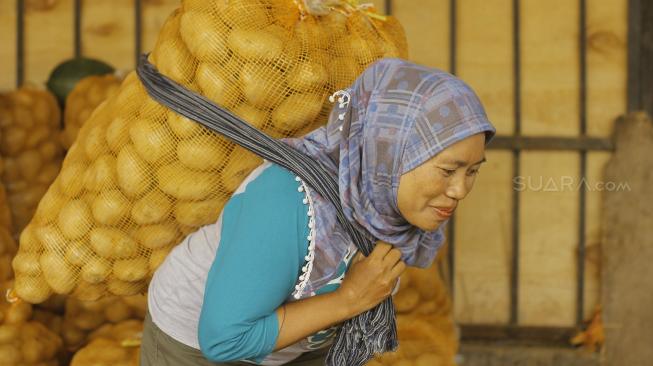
258,261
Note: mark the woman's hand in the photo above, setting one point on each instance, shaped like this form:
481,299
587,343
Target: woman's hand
371,279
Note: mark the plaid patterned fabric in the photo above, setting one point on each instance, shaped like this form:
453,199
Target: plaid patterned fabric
399,116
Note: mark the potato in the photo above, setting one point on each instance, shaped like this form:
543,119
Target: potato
48,174
117,312
199,213
58,274
152,140
308,76
130,269
101,174
238,168
124,288
263,85
37,135
33,289
255,44
174,60
152,208
29,163
203,152
430,359
204,36
244,14
51,238
111,207
254,116
117,134
70,179
406,300
10,355
75,219
49,150
94,141
17,313
50,204
26,263
134,174
89,292
182,126
95,270
157,236
217,85
343,71
13,140
157,257
186,184
29,242
9,333
112,243
78,253
296,111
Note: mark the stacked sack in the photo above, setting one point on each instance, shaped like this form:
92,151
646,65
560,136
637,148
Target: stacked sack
112,345
82,101
427,333
24,342
29,124
83,317
140,177
7,243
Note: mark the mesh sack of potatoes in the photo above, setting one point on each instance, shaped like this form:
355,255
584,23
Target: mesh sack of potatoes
28,344
112,345
139,177
29,124
82,100
13,310
83,317
427,333
7,244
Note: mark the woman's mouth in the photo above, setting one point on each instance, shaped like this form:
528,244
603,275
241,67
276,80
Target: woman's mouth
443,213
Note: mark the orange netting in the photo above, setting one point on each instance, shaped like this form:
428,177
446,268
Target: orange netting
140,177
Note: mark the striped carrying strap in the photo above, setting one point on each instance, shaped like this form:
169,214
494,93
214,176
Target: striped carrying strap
359,338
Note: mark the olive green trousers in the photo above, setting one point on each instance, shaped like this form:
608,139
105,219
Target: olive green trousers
159,349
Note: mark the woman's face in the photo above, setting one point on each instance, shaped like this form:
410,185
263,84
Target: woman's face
428,194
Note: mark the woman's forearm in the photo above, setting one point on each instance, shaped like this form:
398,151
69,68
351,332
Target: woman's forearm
308,316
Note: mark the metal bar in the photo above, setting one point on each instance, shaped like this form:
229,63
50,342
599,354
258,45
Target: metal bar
580,278
646,57
20,42
582,143
525,334
634,55
452,36
78,28
451,257
514,262
138,30
388,7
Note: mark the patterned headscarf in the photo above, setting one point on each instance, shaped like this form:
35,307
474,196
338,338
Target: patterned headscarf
396,116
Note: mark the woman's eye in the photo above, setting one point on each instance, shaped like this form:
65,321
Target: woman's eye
473,172
447,172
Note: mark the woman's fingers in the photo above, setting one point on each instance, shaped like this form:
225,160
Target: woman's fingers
380,250
397,269
392,257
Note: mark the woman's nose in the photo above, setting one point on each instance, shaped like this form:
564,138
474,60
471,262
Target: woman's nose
457,188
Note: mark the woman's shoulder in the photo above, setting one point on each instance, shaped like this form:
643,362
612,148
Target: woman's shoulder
271,181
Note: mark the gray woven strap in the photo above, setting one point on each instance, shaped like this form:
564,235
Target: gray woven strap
369,333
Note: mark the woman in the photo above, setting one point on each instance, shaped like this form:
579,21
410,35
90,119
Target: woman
270,281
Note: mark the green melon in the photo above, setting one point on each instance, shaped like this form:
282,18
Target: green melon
67,74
